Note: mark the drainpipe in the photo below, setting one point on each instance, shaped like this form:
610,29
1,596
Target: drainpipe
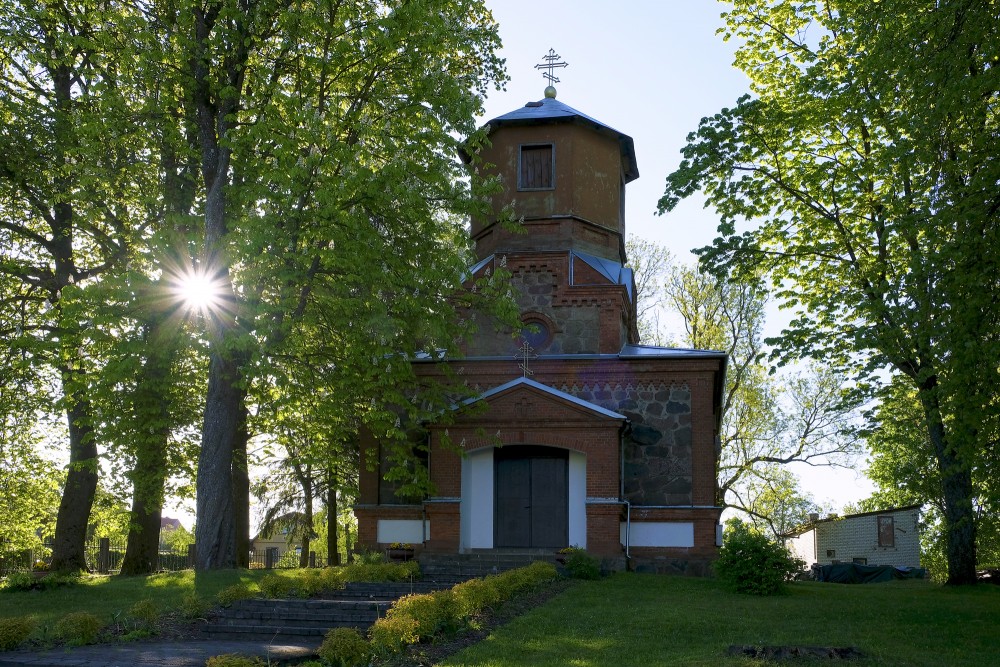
626,427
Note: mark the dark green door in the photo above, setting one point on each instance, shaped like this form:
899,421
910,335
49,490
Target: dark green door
531,497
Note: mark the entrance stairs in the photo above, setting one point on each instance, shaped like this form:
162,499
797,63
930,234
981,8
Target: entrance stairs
357,605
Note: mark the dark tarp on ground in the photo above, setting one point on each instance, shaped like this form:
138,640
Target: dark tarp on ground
853,573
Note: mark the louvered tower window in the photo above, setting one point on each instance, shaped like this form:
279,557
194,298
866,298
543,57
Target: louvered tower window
536,168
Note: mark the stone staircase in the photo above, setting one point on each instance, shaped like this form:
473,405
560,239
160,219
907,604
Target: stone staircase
455,568
357,605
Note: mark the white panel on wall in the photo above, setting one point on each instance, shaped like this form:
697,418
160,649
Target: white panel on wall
477,500
659,534
404,531
577,483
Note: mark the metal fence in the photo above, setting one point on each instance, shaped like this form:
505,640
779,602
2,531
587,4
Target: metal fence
105,557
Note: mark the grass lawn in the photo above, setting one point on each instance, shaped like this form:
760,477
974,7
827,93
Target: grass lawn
632,619
111,597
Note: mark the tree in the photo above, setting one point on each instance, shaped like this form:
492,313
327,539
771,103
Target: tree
773,501
903,468
651,264
326,136
867,155
768,421
29,484
70,177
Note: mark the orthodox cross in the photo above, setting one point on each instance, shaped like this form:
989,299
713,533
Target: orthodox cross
550,65
525,353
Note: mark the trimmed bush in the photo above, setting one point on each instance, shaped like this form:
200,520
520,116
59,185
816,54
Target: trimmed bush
512,582
377,572
344,647
750,562
13,631
434,613
275,586
581,565
234,660
392,634
476,595
233,593
78,628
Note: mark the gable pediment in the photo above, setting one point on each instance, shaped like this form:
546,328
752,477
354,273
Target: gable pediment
526,401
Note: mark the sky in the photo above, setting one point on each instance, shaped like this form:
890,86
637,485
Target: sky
651,69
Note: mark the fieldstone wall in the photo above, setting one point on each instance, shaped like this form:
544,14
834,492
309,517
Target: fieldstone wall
575,329
658,450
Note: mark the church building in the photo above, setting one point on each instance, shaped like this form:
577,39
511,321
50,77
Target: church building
583,436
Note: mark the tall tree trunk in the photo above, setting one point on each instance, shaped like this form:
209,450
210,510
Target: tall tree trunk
956,490
68,548
241,488
149,477
215,533
216,529
69,542
332,518
142,552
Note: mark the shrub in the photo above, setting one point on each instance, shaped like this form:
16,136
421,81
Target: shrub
275,586
144,613
476,595
78,628
234,660
434,613
581,565
13,631
344,647
193,606
750,562
380,571
392,634
229,595
369,557
20,581
512,582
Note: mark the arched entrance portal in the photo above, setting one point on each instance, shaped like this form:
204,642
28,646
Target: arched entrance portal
531,497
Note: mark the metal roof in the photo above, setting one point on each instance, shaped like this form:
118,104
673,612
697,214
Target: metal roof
610,269
643,351
550,110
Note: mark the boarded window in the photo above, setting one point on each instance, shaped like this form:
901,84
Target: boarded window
536,168
886,532
390,491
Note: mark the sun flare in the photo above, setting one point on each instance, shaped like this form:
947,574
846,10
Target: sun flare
199,291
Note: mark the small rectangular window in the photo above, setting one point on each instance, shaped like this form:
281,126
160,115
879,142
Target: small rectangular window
860,561
830,553
886,532
535,169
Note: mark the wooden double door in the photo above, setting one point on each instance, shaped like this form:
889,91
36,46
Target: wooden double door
531,497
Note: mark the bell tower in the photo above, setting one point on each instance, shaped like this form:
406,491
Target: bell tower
563,176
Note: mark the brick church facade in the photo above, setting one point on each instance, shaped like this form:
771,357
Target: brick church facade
602,443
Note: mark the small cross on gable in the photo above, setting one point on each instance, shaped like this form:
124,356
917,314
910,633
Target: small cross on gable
525,353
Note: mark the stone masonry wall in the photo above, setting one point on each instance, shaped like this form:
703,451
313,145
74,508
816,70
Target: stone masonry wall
658,461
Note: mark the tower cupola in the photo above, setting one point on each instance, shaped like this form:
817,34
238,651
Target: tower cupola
565,174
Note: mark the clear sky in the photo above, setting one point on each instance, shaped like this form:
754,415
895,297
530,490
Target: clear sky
650,69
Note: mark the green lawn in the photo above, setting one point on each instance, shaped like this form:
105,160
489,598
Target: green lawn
110,597
634,619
